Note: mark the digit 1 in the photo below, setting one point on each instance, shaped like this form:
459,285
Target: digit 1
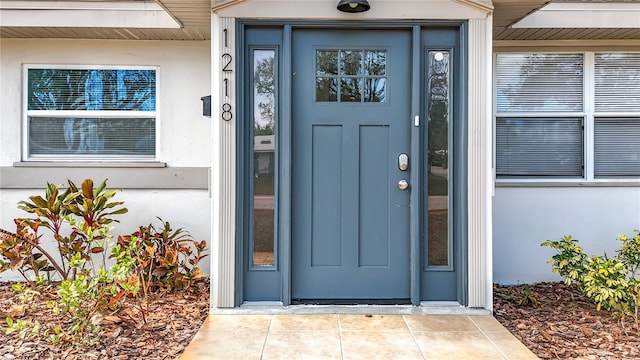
226,87
226,38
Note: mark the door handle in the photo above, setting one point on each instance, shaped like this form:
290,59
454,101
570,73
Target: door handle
403,184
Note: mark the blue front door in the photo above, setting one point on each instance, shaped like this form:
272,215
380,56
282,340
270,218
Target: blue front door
351,121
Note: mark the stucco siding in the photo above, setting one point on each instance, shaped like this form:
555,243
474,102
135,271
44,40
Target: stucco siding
173,187
184,77
524,217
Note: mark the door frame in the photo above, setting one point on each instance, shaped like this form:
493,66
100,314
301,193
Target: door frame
284,142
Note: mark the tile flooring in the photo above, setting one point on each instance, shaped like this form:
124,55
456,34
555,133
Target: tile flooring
354,336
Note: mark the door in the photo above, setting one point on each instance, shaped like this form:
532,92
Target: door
351,121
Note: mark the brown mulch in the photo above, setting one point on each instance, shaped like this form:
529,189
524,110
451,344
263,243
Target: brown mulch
563,324
174,318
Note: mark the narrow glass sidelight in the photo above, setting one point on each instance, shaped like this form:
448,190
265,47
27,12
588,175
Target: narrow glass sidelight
439,248
264,149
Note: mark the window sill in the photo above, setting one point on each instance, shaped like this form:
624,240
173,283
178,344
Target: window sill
129,175
90,164
567,183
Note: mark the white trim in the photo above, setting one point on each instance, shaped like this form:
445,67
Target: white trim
78,5
26,114
92,113
488,168
566,45
215,174
588,106
588,114
223,169
481,5
583,15
479,105
380,10
109,14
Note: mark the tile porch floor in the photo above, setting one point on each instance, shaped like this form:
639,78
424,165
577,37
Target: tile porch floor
354,336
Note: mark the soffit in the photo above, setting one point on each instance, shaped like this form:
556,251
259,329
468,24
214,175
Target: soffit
508,12
193,15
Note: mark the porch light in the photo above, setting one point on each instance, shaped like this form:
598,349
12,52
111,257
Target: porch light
353,6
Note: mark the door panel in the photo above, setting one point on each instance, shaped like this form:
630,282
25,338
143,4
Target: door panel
350,121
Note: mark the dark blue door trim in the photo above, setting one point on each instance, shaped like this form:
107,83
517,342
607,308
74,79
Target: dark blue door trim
283,282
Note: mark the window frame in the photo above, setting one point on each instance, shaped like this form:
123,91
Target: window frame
588,113
102,114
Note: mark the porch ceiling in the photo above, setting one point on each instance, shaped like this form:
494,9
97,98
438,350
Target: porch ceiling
194,16
508,12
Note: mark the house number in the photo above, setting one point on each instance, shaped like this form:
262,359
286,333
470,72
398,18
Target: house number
227,59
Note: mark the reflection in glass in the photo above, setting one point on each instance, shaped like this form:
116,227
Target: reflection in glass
327,62
438,237
375,62
92,136
350,90
263,177
375,89
351,62
357,75
326,89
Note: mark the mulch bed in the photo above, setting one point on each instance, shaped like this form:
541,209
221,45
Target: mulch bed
174,318
563,324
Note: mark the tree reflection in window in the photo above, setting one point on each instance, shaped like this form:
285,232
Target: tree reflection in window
438,102
263,152
357,75
98,90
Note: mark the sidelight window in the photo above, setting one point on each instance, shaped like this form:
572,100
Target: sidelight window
264,150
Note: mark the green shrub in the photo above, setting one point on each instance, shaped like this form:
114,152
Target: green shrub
611,283
78,219
570,260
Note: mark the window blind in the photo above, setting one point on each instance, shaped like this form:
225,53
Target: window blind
617,147
539,82
91,113
617,82
539,147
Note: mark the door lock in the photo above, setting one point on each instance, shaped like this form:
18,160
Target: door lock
403,162
403,184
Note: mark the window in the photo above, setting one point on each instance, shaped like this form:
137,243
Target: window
90,113
357,75
567,115
263,177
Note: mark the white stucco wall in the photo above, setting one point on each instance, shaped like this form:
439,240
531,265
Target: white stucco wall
184,134
184,77
524,217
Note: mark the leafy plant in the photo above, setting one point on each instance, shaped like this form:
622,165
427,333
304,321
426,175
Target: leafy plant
611,283
77,219
168,259
570,260
527,297
604,282
86,298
